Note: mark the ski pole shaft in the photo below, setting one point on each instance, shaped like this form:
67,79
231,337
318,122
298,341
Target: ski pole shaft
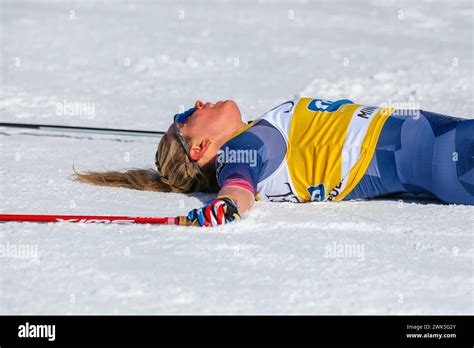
178,220
53,127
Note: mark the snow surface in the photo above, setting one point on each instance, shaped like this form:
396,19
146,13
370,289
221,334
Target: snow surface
139,63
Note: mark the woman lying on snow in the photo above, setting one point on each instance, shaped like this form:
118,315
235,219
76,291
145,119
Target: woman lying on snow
305,150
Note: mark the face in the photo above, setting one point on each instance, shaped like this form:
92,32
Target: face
210,119
207,126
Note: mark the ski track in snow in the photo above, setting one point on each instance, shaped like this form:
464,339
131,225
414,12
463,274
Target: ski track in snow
413,254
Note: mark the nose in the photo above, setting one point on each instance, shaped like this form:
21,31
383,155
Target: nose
199,104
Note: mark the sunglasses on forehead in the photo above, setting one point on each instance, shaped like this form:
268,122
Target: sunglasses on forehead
179,121
182,118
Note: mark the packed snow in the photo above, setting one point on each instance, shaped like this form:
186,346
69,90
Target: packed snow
133,65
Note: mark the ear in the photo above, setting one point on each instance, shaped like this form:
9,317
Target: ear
198,151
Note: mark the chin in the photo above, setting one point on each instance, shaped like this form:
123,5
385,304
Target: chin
230,105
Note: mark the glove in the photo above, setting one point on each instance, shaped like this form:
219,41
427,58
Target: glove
215,212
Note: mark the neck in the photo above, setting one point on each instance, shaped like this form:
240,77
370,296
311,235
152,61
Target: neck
228,133
223,137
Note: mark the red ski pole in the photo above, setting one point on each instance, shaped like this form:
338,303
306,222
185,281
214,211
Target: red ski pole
178,220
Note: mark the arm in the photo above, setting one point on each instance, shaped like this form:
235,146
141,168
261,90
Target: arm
233,200
238,181
242,197
231,203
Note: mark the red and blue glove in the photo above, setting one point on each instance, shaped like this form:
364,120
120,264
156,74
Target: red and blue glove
216,212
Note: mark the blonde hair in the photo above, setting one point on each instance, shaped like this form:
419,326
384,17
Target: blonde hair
175,172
